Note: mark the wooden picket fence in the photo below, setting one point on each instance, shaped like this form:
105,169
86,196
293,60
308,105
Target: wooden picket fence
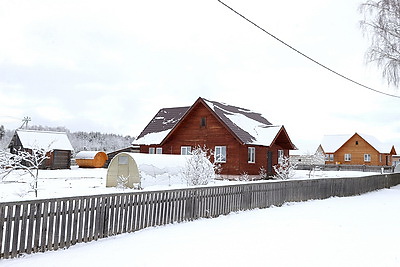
51,224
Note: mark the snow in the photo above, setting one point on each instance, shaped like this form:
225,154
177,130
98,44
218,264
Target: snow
44,140
86,155
90,181
349,231
152,138
263,134
158,169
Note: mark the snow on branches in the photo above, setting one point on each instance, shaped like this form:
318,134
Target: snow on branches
199,170
26,161
284,169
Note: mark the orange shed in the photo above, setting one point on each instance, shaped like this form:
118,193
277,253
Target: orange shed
91,159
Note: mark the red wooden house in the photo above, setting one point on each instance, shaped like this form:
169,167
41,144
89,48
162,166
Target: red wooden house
242,141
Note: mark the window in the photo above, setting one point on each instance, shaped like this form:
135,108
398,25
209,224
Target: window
186,150
281,154
159,150
367,157
356,143
251,151
347,157
220,154
123,160
203,122
329,157
152,150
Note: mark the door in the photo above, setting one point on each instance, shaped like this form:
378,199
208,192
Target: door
269,162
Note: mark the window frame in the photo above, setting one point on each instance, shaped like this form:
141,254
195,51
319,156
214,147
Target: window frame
123,160
251,154
152,150
158,150
220,154
329,157
347,157
281,154
203,122
186,150
367,157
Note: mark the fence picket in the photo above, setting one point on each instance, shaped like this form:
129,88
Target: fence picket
41,225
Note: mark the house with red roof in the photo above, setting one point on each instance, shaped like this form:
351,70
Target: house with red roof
242,141
356,149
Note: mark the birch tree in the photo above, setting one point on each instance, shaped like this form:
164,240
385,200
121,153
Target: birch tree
382,23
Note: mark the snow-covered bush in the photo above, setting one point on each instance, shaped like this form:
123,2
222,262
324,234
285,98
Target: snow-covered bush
243,177
284,169
198,169
122,182
263,173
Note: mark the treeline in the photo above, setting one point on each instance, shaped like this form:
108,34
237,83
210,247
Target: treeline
80,140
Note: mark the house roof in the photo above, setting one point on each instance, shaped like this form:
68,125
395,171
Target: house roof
159,127
331,143
44,140
248,126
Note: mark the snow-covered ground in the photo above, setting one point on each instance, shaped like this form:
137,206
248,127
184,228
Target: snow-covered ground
349,231
84,181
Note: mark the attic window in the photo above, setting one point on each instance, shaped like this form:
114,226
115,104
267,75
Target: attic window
203,122
356,143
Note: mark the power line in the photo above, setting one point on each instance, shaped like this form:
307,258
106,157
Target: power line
309,58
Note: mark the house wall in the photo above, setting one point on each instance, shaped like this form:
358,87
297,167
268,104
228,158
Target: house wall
191,133
357,147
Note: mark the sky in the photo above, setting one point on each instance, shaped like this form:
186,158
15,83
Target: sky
109,66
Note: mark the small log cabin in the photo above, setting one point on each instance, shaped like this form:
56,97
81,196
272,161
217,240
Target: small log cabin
242,141
356,149
56,144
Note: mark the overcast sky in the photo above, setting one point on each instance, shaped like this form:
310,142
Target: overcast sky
109,66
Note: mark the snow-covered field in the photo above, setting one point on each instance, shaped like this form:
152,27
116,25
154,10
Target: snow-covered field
83,181
349,231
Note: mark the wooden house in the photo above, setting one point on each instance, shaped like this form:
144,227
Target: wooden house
356,149
242,141
56,144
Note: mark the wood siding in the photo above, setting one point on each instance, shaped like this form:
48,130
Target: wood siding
191,132
358,147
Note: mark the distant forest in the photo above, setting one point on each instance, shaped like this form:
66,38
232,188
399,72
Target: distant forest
80,140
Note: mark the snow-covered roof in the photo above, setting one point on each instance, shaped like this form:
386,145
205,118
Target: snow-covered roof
87,154
331,143
44,140
250,127
160,126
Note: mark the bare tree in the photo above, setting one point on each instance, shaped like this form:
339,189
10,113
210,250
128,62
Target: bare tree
285,169
27,161
382,22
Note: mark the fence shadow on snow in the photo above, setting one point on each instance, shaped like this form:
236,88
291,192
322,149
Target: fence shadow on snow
51,224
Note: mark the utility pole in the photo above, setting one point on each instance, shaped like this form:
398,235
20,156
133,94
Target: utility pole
25,121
